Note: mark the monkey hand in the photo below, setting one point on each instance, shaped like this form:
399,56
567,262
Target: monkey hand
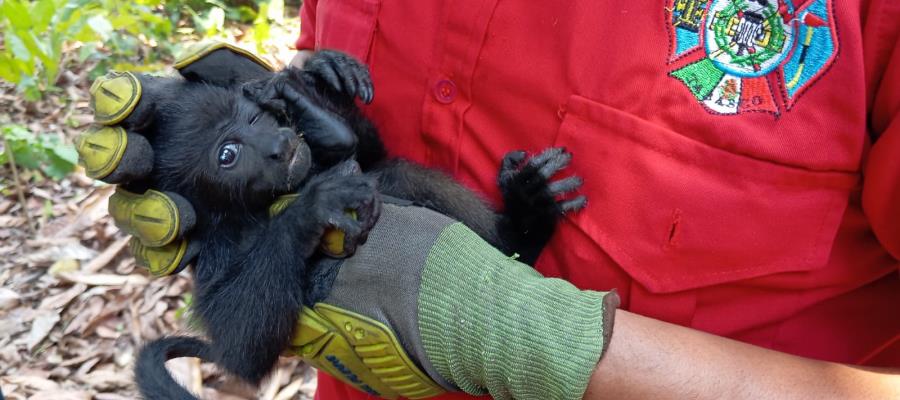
427,306
341,73
286,94
340,201
533,201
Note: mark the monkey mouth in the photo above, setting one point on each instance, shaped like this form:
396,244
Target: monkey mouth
298,165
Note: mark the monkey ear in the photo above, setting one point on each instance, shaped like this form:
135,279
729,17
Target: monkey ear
221,64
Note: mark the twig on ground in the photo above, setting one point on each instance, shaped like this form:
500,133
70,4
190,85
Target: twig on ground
21,192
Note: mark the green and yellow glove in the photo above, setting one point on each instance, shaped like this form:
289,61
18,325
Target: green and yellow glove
427,306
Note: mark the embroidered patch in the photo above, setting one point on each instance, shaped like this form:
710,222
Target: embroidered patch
749,45
687,19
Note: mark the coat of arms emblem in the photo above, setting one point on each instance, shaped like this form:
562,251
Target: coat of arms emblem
732,53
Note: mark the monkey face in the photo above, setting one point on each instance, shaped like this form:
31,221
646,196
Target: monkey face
253,150
218,148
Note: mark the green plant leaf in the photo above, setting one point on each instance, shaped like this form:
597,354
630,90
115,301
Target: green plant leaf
16,13
215,21
42,12
65,152
8,70
16,133
28,85
58,167
100,25
17,46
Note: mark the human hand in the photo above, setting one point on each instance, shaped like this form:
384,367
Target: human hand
426,306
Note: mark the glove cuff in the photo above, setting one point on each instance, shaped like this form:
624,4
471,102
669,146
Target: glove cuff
491,324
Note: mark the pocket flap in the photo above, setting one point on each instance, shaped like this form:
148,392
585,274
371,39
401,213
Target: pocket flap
678,214
347,25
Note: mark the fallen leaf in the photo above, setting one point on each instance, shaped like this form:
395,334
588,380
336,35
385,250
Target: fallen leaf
56,250
86,366
272,385
8,298
107,255
43,322
58,394
63,265
33,381
107,380
9,221
89,309
15,321
93,208
289,391
184,370
111,396
62,299
103,279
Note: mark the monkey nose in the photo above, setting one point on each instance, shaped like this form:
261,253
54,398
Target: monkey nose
282,148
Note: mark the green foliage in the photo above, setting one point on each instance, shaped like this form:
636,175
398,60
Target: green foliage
45,153
41,38
38,31
38,34
211,17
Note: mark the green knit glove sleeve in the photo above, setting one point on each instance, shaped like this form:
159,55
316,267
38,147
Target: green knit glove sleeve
490,324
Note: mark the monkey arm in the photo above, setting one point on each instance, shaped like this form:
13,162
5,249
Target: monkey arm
533,200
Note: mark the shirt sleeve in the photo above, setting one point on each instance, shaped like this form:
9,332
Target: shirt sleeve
307,39
881,183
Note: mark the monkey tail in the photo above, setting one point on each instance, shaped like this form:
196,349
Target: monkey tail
153,379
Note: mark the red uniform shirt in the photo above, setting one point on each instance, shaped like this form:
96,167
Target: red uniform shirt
741,159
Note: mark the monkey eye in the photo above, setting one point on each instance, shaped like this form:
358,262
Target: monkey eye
228,154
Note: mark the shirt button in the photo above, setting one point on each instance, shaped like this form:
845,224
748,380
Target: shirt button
445,91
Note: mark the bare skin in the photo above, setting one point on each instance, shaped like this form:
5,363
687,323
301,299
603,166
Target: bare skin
651,359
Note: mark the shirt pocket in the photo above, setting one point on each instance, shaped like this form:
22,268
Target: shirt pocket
678,214
347,25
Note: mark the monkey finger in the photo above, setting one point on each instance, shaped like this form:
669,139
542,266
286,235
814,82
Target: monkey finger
509,166
545,156
564,186
364,88
513,159
555,164
321,68
573,205
347,224
367,215
368,89
348,72
266,93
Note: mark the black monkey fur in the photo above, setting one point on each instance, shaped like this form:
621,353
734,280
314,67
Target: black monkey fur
251,272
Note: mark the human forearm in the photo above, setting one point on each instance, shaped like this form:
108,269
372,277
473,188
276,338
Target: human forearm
648,358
